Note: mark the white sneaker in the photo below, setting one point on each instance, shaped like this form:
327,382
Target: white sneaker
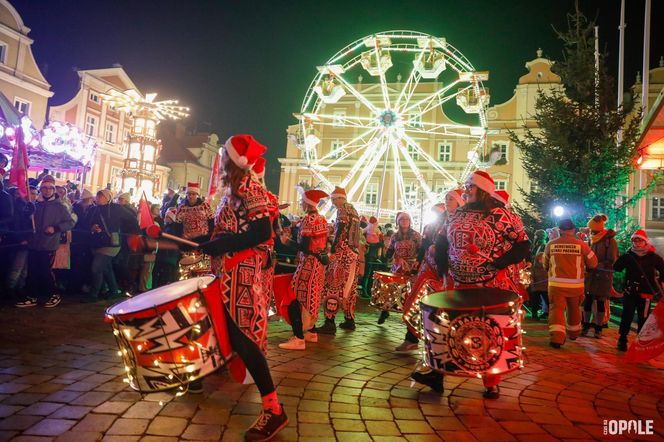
406,347
310,337
294,343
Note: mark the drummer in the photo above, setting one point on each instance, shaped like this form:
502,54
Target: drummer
477,245
403,249
310,273
242,225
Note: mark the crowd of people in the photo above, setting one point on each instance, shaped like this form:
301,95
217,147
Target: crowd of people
59,239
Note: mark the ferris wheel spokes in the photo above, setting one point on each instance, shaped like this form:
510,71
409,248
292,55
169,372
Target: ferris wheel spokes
358,95
428,159
411,84
346,154
430,97
381,75
367,172
416,171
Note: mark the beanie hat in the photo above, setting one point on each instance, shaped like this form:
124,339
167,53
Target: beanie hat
640,234
259,167
338,192
86,194
48,179
244,150
313,196
373,220
457,194
566,224
402,215
193,187
107,193
439,208
596,223
484,181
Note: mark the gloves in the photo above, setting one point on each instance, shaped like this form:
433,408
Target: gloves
213,248
324,259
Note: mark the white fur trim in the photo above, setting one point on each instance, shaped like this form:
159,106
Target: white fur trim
486,185
458,198
338,195
635,235
308,201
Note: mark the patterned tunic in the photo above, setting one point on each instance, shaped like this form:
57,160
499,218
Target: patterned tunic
310,273
342,273
405,246
240,272
194,219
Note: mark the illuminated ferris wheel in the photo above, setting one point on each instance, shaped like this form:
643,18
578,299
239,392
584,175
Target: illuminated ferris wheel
382,103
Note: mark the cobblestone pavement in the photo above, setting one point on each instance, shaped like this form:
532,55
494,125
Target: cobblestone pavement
61,379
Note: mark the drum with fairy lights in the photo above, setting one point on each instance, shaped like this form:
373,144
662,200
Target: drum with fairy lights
194,264
389,290
472,332
171,335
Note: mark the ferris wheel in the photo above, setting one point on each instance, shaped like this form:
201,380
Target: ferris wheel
396,90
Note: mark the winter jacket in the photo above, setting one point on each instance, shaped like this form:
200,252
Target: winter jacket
540,277
599,281
640,275
116,219
50,213
22,228
6,212
566,258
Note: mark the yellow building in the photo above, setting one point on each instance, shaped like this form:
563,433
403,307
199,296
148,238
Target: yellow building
449,152
21,81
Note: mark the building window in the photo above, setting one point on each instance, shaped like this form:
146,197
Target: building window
91,126
111,129
445,151
504,150
501,184
337,149
94,97
415,120
413,152
3,52
411,192
339,117
371,194
21,105
657,208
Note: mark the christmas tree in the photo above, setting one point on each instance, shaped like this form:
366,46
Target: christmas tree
584,148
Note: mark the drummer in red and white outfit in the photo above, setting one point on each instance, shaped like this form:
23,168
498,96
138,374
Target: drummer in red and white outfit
242,226
310,273
403,249
195,215
478,244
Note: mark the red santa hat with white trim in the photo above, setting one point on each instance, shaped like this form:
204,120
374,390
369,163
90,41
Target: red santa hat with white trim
338,192
259,167
457,194
503,197
641,234
484,181
313,196
244,150
194,187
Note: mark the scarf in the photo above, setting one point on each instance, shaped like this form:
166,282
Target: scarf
641,251
597,237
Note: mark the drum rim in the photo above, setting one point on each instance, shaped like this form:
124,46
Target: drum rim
515,301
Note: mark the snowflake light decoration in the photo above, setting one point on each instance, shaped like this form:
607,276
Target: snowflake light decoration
132,102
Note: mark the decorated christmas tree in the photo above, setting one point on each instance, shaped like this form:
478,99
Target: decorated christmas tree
584,148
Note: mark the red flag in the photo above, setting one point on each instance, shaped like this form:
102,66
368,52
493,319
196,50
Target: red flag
650,342
214,178
144,215
18,174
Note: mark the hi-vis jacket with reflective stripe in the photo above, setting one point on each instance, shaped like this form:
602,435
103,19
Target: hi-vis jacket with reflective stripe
566,258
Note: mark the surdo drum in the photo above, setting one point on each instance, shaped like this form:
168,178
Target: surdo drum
389,290
166,335
473,332
194,264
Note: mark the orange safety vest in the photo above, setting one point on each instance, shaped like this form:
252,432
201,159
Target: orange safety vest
566,258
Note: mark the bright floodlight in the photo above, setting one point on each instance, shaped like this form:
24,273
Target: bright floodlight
558,211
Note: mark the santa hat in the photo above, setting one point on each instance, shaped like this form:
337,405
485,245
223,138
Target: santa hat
640,234
244,150
48,179
313,196
402,215
338,192
457,194
484,181
439,208
194,187
596,223
503,197
259,167
86,194
373,220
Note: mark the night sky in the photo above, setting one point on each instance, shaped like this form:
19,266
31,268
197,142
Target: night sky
244,66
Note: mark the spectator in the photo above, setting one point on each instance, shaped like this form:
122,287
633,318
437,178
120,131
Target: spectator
537,291
166,268
50,219
195,215
170,200
80,249
150,255
18,239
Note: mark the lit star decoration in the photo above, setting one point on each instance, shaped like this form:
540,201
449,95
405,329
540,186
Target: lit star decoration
60,137
131,101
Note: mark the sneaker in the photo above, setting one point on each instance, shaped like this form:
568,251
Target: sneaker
383,317
53,301
431,379
491,392
622,344
406,347
328,328
294,343
585,330
348,324
598,332
310,337
266,426
195,387
27,302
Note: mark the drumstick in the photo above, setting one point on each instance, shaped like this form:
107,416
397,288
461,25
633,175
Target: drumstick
154,231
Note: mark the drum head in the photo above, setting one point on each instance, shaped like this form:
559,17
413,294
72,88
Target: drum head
469,299
189,260
159,296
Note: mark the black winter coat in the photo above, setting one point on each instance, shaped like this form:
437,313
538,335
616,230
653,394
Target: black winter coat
640,276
